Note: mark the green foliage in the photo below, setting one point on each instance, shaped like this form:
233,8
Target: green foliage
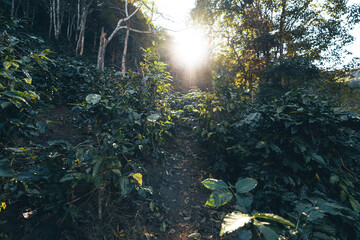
236,220
302,152
126,119
17,93
256,36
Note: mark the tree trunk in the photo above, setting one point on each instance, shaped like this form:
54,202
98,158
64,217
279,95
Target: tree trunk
282,28
123,61
51,19
12,8
54,17
282,35
94,44
57,20
17,9
33,17
104,41
80,43
68,29
78,19
102,47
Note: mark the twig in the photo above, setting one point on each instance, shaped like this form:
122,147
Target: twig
347,169
79,198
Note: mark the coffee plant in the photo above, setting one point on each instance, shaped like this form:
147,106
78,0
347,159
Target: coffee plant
303,152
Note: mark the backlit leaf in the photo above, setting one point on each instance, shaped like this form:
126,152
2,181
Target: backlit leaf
233,221
219,198
153,117
93,98
274,217
6,64
214,184
138,178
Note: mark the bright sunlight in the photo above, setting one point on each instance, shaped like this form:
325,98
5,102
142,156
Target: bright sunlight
191,47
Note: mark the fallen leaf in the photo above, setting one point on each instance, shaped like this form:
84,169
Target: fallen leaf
194,235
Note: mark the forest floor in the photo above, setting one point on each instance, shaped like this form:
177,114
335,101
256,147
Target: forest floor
175,211
180,190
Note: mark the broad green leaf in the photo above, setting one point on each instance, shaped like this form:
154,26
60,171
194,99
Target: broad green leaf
233,221
70,176
355,204
318,159
323,236
275,148
7,64
268,233
214,184
315,215
93,98
163,227
41,127
153,117
26,59
253,117
245,185
5,104
244,200
116,171
97,167
244,235
5,168
274,217
219,198
124,185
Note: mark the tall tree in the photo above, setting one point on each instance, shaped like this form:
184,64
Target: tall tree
80,41
123,23
251,35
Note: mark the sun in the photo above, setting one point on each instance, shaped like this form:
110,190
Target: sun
191,47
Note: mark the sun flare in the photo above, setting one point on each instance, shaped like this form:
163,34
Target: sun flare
191,47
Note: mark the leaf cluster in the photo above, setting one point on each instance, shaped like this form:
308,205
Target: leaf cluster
303,153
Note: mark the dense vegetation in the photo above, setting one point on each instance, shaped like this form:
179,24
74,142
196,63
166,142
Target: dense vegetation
280,131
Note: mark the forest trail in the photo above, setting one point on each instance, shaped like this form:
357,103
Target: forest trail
176,184
180,190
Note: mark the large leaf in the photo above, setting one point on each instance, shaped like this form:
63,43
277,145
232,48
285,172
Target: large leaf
233,221
214,184
153,117
70,176
219,198
244,235
274,217
318,159
354,203
93,98
5,168
244,200
137,177
245,185
268,233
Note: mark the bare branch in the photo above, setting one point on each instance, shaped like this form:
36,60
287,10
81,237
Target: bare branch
118,27
140,31
126,8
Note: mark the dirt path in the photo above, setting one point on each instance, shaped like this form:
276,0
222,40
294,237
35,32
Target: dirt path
182,193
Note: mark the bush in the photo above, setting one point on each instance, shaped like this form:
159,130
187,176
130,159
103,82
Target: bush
303,154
